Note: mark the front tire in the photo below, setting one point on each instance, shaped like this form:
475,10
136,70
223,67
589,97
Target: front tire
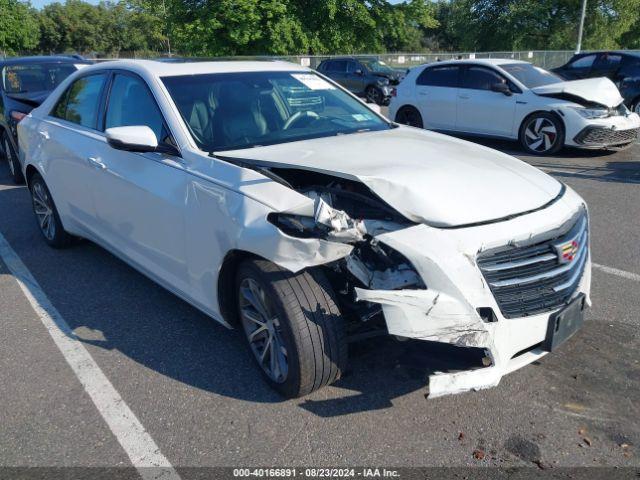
542,133
374,95
47,215
293,326
12,160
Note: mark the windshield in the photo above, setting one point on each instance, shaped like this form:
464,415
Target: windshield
240,110
531,76
35,77
377,66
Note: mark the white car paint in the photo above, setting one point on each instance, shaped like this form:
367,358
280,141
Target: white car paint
489,113
177,218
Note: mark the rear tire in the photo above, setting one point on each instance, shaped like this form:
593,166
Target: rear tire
410,116
12,160
47,215
542,133
297,313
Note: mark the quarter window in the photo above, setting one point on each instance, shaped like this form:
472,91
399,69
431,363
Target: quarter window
479,78
439,76
81,101
131,104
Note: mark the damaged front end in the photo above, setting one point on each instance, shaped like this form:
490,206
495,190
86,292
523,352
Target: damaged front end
418,281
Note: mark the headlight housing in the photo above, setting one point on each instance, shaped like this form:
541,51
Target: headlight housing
592,113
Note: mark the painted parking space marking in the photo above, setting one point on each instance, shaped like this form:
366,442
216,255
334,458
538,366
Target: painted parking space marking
143,452
615,271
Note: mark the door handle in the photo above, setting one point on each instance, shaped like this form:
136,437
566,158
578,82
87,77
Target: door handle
44,134
96,162
463,97
424,94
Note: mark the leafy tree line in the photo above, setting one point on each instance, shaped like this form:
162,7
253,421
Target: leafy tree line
279,27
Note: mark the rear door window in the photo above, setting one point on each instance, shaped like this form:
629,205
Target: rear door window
583,63
81,102
445,76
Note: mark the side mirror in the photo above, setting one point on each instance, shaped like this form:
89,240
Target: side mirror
359,72
138,138
501,88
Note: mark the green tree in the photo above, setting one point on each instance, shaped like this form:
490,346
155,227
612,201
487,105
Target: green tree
18,27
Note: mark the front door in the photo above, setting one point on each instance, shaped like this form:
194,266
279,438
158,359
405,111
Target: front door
482,110
140,198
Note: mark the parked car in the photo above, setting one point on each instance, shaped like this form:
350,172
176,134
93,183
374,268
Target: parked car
623,68
510,99
25,83
366,77
306,227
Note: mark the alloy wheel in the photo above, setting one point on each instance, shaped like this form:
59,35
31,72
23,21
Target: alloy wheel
373,95
44,210
410,117
262,328
540,135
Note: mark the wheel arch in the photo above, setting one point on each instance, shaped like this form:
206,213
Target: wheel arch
407,106
30,171
227,297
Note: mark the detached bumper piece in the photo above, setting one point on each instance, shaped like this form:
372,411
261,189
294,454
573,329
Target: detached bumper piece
605,137
537,278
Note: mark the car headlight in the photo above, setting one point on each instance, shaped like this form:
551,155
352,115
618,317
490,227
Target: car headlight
383,82
592,113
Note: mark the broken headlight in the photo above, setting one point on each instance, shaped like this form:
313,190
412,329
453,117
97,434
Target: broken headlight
297,225
592,113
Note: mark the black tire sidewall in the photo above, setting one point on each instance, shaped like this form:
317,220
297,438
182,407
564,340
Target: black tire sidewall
11,157
379,94
560,139
404,111
291,386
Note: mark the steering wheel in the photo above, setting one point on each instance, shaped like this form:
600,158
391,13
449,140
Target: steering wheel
297,117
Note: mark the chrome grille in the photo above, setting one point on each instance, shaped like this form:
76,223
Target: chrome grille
537,278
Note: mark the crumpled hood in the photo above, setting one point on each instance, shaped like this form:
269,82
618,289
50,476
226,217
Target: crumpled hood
598,90
427,177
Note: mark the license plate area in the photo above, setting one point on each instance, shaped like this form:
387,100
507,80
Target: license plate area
563,324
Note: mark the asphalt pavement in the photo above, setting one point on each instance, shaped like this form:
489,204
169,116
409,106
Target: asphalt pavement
192,385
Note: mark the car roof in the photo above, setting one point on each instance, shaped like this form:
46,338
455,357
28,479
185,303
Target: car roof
480,61
43,59
349,58
172,69
631,53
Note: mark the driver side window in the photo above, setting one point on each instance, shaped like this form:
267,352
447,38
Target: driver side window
131,103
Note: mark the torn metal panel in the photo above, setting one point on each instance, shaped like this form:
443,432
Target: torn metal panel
597,90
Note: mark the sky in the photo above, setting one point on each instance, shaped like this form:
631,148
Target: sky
42,3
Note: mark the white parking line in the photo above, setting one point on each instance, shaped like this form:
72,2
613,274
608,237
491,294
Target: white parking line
619,273
134,439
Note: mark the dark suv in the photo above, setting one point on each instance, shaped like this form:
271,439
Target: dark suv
623,68
24,84
366,77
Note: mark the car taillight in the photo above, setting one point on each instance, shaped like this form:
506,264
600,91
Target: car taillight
17,116
394,92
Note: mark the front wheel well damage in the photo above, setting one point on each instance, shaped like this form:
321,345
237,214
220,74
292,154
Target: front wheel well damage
227,295
30,172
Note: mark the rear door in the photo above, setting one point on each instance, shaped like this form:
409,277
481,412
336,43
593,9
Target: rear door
436,96
482,110
337,71
69,137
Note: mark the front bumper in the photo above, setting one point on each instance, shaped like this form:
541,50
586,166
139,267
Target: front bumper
448,310
608,132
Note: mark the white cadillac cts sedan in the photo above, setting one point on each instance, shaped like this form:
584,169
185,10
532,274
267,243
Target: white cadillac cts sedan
272,199
510,99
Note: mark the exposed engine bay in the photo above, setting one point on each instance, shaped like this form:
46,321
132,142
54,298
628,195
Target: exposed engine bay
348,212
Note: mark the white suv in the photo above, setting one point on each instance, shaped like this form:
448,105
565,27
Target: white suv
270,198
511,99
